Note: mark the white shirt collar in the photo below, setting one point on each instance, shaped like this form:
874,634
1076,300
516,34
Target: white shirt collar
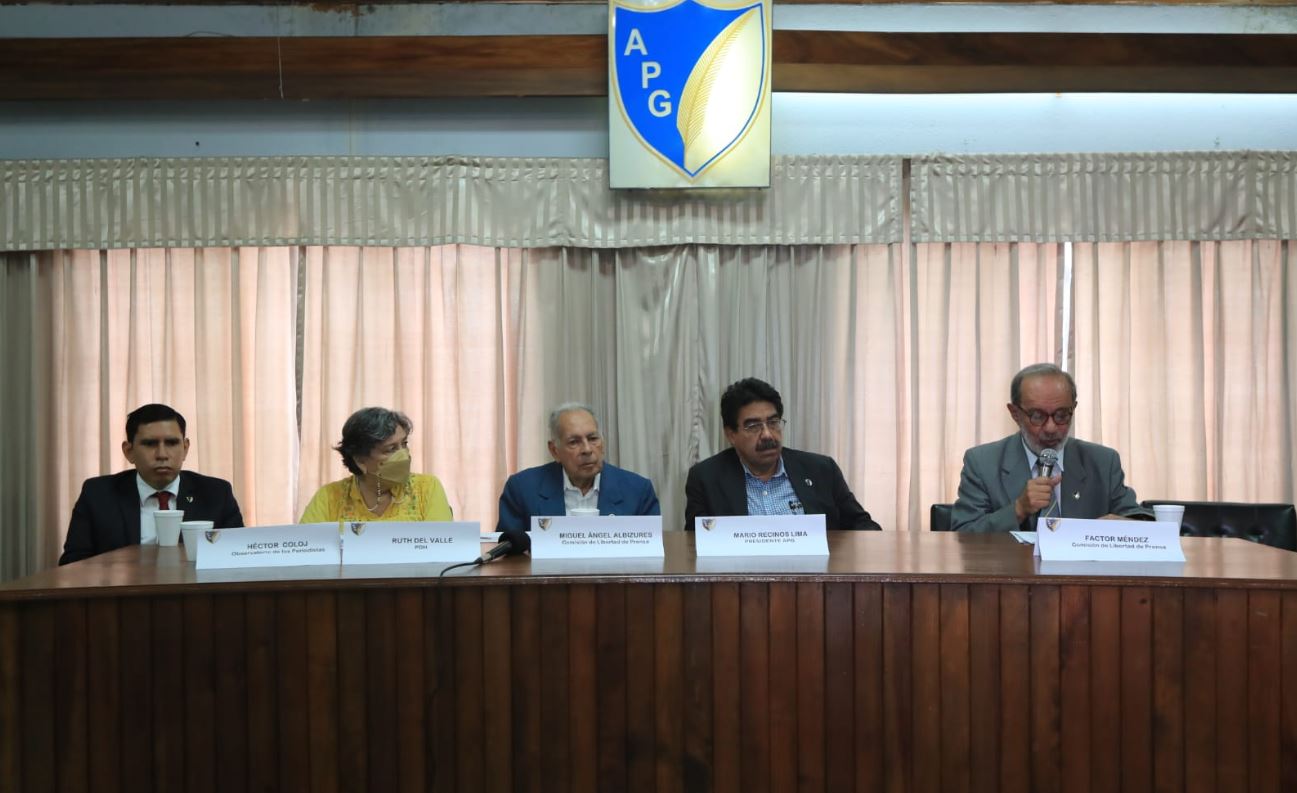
567,483
147,490
779,468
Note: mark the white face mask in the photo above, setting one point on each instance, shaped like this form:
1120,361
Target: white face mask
395,470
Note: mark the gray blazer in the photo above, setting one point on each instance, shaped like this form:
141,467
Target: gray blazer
995,473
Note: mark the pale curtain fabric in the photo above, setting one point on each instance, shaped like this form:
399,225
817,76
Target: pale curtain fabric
477,344
1104,197
1186,361
210,332
982,312
407,201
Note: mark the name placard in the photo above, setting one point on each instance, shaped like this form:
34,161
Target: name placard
595,537
761,535
1074,539
291,545
410,542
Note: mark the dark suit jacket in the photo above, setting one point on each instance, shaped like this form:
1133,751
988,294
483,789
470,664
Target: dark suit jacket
715,487
995,473
539,491
107,513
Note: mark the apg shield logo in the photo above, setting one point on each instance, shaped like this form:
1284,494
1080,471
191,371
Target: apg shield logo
690,78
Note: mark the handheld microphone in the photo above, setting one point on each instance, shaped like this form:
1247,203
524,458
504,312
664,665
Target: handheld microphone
1048,459
512,543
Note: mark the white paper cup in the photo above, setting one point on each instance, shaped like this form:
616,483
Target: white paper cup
583,512
193,534
167,523
1169,513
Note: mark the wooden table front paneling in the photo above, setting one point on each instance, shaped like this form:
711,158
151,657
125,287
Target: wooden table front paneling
126,673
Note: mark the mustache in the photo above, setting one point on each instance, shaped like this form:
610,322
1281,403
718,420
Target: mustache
767,444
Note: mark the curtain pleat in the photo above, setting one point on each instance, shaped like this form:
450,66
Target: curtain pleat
1104,197
403,201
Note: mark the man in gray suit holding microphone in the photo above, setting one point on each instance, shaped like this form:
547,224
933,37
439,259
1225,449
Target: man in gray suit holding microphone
1041,470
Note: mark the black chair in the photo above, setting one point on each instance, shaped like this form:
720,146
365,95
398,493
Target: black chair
1268,524
939,517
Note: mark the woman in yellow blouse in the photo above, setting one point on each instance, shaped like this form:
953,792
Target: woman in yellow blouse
375,447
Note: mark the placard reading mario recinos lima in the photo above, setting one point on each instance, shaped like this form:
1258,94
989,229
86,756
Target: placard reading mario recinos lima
764,535
291,545
689,93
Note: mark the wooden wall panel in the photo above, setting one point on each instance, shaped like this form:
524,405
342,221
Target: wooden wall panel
166,743
359,67
1136,688
641,745
10,697
727,714
753,675
529,740
1265,690
1168,685
200,695
293,692
786,685
555,671
322,684
1105,688
839,687
984,688
1014,674
230,637
1200,691
1074,700
136,705
784,696
380,685
71,730
36,679
669,683
956,690
497,765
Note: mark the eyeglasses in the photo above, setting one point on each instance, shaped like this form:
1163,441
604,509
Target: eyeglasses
754,426
1037,418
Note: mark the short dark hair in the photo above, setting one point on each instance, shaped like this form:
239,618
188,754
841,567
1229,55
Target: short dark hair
147,414
743,393
365,429
1038,370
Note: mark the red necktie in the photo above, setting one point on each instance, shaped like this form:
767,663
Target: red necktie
164,499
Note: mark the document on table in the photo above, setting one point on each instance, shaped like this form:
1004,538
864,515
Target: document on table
1024,537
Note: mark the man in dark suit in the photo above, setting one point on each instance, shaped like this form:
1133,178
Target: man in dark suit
757,475
117,510
577,479
1004,484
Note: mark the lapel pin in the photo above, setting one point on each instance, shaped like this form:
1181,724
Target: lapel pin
1076,496
809,483
190,499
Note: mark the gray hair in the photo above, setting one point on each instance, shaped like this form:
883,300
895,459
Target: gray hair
365,429
1038,370
568,407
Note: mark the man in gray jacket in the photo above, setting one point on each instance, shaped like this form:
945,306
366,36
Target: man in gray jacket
1009,483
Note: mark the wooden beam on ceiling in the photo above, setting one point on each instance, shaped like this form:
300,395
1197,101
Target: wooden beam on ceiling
303,68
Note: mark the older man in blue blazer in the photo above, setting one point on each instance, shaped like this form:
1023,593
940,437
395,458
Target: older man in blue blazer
1010,483
577,479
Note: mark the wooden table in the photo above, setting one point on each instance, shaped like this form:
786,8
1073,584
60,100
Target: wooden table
906,661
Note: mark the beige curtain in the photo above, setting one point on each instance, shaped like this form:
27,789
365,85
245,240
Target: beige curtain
982,312
478,344
508,202
1186,360
210,332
